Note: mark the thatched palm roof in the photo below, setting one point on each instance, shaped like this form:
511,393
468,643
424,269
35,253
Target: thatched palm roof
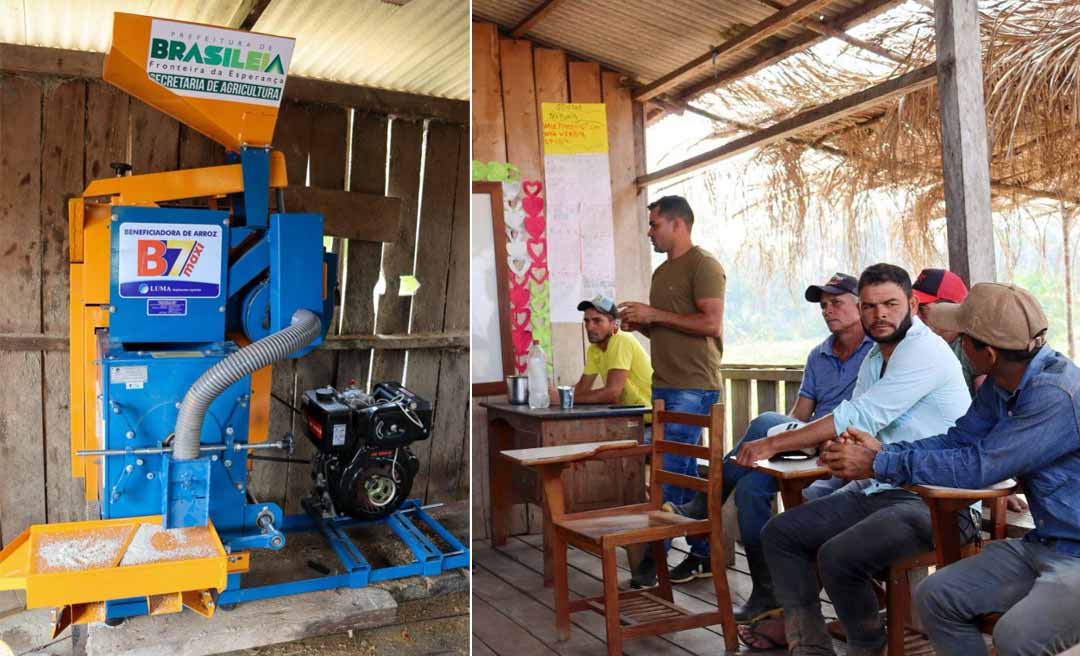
1031,66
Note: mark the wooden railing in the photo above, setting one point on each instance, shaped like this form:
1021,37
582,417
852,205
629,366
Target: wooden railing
751,389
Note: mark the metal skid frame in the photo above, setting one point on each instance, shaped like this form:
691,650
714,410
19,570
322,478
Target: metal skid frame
429,560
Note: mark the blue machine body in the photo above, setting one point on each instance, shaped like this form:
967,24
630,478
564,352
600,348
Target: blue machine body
182,280
140,394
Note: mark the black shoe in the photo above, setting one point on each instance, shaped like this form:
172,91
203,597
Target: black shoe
691,568
696,508
645,574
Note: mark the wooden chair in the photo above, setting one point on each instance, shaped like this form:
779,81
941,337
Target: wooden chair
635,613
944,504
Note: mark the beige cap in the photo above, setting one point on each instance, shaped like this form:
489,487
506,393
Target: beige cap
1003,316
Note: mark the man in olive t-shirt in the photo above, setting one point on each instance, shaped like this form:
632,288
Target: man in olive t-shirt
683,321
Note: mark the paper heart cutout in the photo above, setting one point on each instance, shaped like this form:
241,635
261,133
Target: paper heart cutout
496,171
479,170
540,264
538,274
532,187
510,202
522,341
523,282
538,249
534,225
515,218
511,190
519,297
533,205
520,317
518,266
538,288
517,249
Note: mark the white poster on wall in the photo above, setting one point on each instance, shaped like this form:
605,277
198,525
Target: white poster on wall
580,233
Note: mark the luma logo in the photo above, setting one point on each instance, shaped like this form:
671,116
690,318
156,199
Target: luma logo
251,60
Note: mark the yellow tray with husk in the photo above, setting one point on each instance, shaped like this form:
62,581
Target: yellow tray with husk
77,566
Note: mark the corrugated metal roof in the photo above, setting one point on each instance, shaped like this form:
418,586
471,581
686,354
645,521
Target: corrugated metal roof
649,39
421,47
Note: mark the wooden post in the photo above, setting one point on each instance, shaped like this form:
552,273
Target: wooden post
965,154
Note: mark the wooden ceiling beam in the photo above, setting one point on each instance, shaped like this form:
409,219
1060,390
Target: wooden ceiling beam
749,37
533,18
821,27
823,114
253,15
843,22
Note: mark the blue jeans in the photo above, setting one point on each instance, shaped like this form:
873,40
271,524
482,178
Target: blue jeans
697,401
1036,587
754,491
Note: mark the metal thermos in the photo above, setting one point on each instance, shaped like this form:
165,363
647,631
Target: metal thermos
517,388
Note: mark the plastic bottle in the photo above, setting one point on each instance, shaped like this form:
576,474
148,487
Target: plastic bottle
537,374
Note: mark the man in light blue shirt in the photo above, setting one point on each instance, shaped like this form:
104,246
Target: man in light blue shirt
909,385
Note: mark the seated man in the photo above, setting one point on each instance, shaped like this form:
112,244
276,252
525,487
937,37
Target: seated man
828,379
1024,423
909,385
934,286
939,286
616,357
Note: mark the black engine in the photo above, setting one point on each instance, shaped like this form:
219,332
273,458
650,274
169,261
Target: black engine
364,467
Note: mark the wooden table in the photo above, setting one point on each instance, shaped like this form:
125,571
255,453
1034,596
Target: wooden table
946,504
596,484
793,476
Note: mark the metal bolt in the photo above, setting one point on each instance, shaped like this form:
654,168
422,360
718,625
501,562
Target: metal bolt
276,541
129,469
129,434
149,476
221,308
112,309
139,462
114,217
225,222
115,408
229,430
177,405
228,463
214,458
240,486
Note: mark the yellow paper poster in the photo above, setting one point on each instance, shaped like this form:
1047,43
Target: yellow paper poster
572,128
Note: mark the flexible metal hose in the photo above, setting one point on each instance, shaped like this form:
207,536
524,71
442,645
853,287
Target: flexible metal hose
304,329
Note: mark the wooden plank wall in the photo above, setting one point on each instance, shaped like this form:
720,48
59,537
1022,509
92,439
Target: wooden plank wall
59,133
511,78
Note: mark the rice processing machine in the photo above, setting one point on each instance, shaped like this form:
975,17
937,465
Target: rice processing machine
185,288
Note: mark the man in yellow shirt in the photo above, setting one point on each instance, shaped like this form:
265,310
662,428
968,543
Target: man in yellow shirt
616,357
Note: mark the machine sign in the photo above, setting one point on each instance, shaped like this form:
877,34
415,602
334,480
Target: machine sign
169,260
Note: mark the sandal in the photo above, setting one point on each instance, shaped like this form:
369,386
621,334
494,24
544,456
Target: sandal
764,635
